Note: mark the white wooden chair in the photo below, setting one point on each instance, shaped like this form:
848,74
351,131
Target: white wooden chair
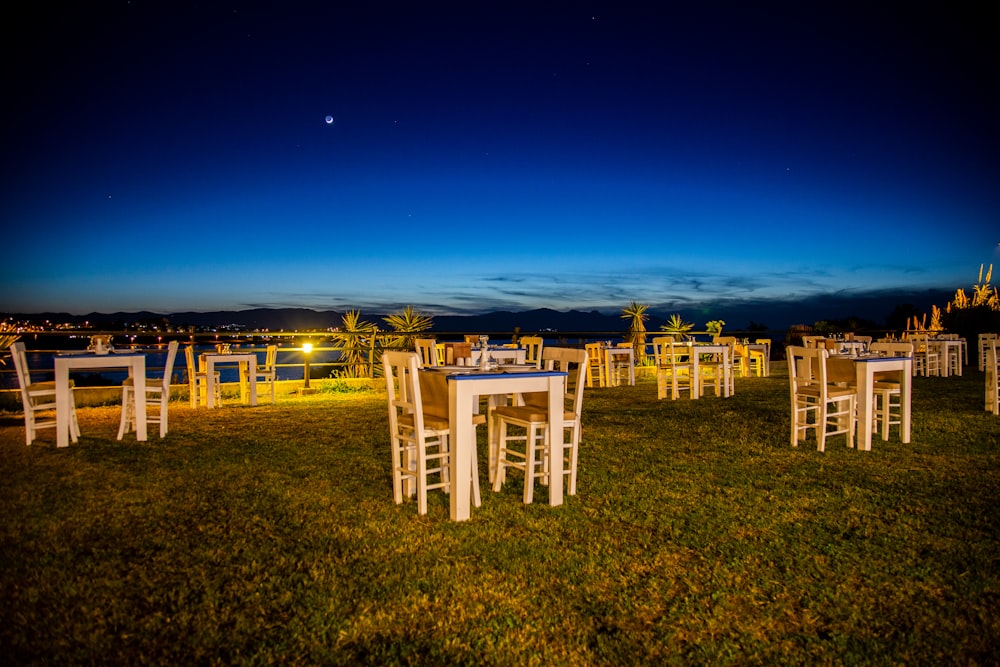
951,355
532,350
38,398
674,369
984,344
198,380
527,452
269,371
992,368
157,394
418,440
427,349
926,358
832,408
886,388
596,375
737,353
621,366
758,361
712,368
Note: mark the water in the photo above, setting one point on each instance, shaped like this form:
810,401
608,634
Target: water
41,364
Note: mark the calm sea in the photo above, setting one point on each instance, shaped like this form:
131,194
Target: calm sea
42,365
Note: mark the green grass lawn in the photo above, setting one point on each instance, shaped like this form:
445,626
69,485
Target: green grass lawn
698,536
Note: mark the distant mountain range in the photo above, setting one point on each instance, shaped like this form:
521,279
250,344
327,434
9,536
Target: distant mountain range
871,310
293,319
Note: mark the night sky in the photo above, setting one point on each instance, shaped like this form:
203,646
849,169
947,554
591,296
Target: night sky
699,157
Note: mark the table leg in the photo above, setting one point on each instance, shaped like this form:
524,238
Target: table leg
695,375
905,394
460,397
63,400
556,436
210,383
863,429
252,370
139,390
244,383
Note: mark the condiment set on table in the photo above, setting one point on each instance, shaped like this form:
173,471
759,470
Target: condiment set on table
100,344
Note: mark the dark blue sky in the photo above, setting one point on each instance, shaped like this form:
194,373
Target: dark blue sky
174,156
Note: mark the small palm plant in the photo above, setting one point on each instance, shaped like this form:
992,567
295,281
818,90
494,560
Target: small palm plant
407,323
355,341
714,327
676,326
635,313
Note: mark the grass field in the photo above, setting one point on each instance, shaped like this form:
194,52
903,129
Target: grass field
698,536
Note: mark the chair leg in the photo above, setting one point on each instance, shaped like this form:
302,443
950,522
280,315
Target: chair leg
30,432
476,498
574,453
529,465
500,472
164,398
128,412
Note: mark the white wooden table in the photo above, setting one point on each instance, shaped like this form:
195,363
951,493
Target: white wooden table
135,362
864,375
946,347
464,390
609,364
248,375
698,349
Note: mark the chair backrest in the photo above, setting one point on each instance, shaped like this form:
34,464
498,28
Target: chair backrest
669,352
735,348
403,387
919,342
270,357
192,369
23,373
532,349
427,350
595,352
766,342
455,351
985,339
811,341
572,361
169,367
899,349
661,349
807,368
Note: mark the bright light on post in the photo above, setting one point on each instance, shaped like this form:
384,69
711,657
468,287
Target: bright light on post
307,348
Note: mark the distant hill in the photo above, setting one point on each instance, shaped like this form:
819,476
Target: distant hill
871,309
292,319
542,319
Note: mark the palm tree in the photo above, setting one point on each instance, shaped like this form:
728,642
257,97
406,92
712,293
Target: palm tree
407,322
676,326
355,339
635,313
